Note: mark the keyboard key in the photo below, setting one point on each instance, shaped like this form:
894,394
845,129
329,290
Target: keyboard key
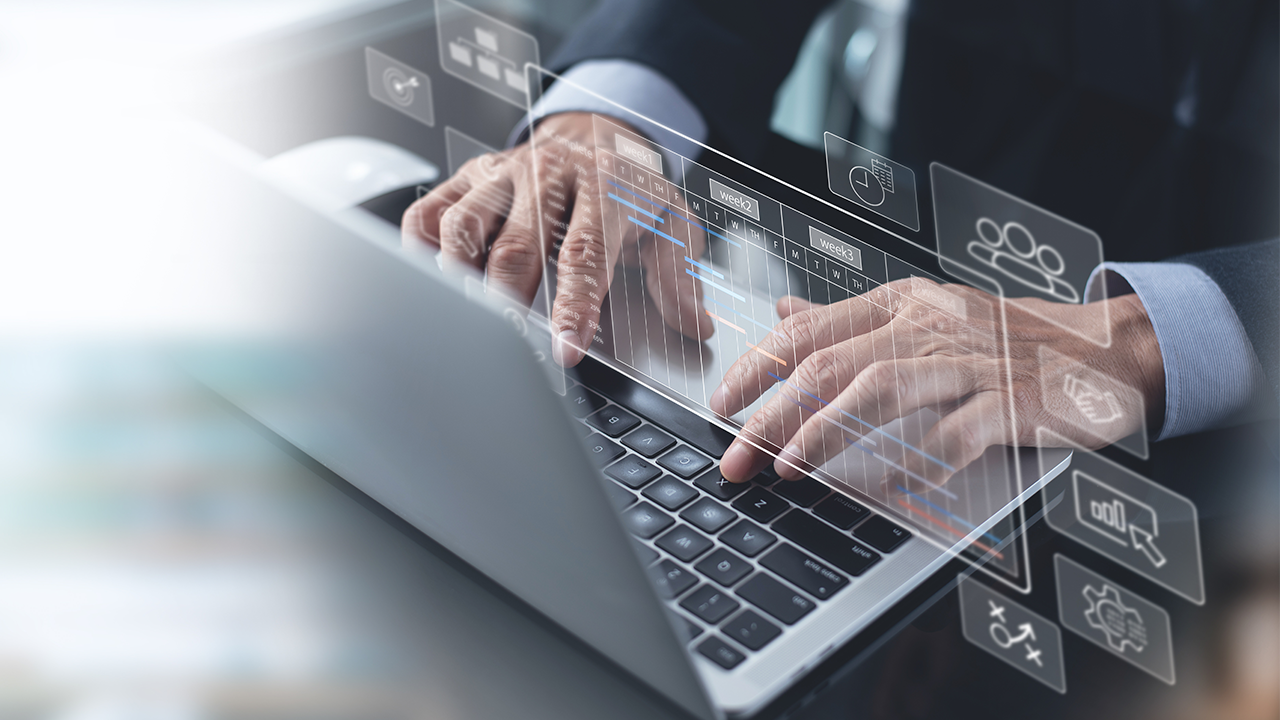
841,511
690,629
804,572
582,402
710,603
714,484
803,492
775,598
684,461
661,411
724,567
671,579
583,431
748,538
684,543
670,493
826,542
882,534
709,515
719,652
761,505
646,520
648,555
633,472
648,440
613,421
618,495
751,630
603,449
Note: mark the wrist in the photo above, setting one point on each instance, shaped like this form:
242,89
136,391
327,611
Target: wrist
1135,349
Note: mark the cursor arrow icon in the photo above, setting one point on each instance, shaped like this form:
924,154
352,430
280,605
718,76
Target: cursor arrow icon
1143,540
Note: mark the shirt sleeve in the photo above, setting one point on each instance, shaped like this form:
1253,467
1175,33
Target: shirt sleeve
596,85
1212,376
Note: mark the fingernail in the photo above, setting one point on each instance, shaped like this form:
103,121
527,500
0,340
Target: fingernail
565,349
717,400
736,463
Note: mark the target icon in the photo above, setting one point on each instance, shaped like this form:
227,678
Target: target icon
399,86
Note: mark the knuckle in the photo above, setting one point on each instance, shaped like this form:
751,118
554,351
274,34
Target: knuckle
819,373
456,217
968,444
581,241
516,256
883,381
796,330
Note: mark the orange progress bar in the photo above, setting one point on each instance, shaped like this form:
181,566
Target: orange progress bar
936,521
771,356
726,322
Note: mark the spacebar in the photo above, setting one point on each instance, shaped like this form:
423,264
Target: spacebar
664,413
826,542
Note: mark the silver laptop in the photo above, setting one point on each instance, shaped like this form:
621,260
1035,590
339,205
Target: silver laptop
592,494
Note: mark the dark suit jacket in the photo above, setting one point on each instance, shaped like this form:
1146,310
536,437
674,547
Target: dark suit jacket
1155,123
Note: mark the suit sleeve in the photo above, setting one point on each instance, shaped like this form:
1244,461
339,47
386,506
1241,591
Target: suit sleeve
1215,316
1249,277
728,58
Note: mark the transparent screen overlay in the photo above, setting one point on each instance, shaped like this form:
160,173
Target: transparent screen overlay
675,234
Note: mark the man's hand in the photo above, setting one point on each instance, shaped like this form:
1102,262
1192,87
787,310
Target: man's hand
995,372
502,213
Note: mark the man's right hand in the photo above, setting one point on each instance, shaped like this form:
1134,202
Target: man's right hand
502,212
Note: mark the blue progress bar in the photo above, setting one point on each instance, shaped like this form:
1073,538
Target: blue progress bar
722,289
637,208
655,231
673,212
695,263
944,511
856,419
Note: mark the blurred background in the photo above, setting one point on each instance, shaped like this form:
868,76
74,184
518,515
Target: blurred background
163,558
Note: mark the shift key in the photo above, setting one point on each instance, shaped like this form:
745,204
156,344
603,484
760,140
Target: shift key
806,573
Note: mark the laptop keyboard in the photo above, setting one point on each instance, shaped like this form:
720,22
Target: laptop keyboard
738,563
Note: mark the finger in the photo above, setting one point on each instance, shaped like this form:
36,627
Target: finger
789,305
957,440
676,293
823,375
584,271
761,438
791,342
883,391
822,378
420,224
467,225
515,261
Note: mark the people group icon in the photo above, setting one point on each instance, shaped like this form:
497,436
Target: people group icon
1014,252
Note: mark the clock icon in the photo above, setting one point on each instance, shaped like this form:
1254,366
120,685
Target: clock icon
866,186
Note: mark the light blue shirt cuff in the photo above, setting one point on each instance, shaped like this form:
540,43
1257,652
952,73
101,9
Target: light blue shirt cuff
1211,374
594,85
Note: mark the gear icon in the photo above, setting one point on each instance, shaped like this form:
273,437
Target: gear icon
1122,625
